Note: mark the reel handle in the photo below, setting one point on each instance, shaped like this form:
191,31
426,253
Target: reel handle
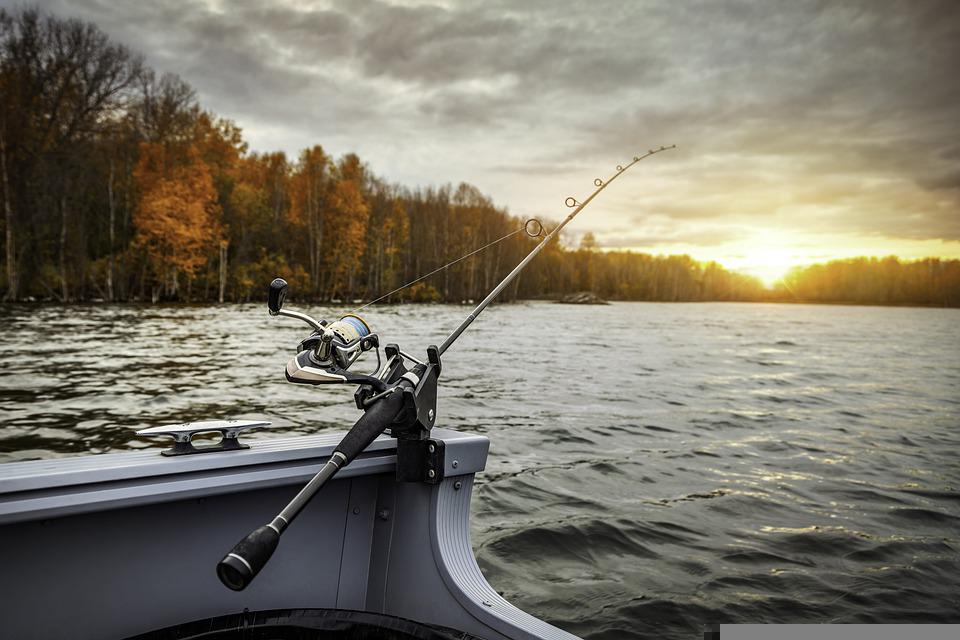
276,295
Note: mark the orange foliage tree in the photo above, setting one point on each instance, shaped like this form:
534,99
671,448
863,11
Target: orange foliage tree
346,233
178,217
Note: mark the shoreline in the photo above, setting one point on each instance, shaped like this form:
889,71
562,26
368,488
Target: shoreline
351,305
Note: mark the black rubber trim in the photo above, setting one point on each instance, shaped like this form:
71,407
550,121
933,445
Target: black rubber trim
306,624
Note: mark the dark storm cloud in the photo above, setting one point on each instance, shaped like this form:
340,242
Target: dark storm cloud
246,60
437,47
776,106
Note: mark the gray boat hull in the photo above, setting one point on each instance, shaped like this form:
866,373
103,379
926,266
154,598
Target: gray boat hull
116,545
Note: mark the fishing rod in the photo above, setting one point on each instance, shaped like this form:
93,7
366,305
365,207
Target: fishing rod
398,397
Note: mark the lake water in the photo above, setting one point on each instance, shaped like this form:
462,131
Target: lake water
653,466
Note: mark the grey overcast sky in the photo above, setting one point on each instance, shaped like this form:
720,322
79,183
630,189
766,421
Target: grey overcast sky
805,130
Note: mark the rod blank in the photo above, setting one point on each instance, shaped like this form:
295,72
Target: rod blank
601,185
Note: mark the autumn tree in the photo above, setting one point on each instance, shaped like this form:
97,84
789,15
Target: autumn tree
265,240
165,110
346,229
310,190
387,241
177,219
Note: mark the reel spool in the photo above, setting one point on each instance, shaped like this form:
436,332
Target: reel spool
350,327
339,343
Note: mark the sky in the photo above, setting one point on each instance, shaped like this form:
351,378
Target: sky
805,131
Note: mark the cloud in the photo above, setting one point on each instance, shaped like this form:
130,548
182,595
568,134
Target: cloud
653,239
802,116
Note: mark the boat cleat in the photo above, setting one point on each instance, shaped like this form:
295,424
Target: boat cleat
183,434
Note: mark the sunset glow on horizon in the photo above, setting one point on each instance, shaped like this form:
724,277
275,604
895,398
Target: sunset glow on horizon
769,257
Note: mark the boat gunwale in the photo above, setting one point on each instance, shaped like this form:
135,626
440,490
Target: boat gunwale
44,489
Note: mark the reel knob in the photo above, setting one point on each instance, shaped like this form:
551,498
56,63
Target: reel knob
276,295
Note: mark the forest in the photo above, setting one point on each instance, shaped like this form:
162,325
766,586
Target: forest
117,185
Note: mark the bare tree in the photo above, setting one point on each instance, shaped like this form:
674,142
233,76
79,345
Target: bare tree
70,80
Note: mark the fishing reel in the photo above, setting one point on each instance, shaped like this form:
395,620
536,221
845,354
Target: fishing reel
326,355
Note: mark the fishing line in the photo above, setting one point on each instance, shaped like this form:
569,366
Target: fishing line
527,227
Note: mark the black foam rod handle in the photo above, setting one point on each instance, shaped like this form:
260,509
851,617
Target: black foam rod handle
371,424
239,567
276,294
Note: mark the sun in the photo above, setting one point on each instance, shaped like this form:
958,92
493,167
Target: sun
766,254
769,264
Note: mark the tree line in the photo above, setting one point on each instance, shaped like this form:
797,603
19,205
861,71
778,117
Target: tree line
930,281
117,185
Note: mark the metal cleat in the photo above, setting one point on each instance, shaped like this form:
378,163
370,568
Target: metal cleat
183,434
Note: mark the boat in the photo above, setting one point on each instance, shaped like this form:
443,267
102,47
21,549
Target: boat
125,545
